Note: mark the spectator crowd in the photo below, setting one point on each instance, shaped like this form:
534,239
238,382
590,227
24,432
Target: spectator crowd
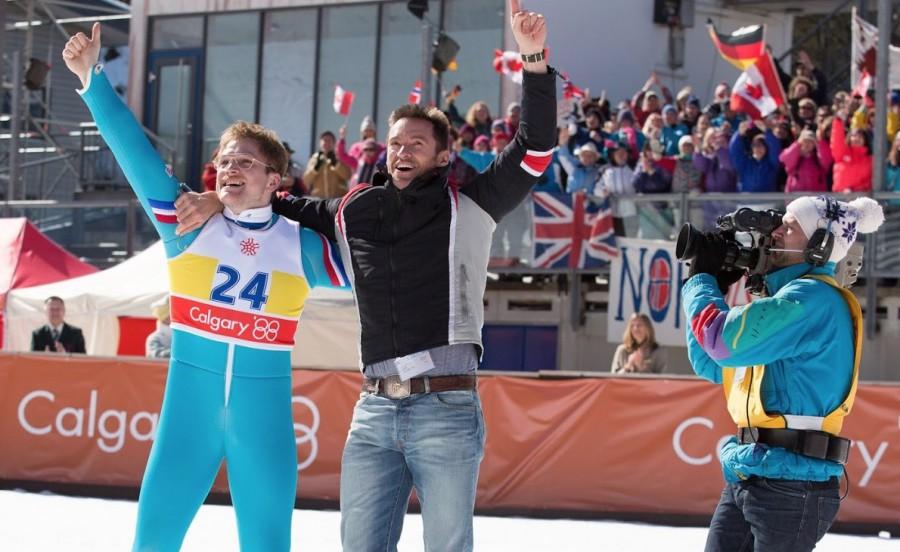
656,142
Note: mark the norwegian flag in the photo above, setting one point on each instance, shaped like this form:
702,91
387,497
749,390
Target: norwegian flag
508,63
758,92
415,95
343,100
570,90
571,231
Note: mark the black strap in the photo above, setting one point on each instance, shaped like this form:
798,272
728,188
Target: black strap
815,444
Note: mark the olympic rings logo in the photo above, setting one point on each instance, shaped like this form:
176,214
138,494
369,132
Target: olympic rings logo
307,433
267,330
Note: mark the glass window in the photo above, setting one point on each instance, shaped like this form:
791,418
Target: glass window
174,33
347,58
401,39
477,26
231,65
289,54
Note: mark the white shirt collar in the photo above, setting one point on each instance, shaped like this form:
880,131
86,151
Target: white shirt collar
257,215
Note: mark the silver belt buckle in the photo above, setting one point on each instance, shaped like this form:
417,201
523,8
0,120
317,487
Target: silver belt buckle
395,388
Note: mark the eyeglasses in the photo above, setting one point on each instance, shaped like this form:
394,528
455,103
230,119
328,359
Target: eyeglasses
243,162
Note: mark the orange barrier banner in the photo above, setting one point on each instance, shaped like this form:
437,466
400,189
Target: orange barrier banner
585,445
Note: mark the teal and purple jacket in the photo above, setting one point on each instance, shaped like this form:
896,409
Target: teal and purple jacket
802,332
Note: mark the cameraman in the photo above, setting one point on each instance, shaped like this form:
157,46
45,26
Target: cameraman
325,176
789,364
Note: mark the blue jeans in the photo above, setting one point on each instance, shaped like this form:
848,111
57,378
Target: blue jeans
773,515
431,441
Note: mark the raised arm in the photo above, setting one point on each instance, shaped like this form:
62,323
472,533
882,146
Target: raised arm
152,182
509,179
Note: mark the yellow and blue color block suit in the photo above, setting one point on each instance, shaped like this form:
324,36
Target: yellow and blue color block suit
238,286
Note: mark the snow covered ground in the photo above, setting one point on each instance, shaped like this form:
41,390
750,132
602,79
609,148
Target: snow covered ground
42,522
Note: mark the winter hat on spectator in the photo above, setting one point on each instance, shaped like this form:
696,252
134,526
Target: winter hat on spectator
613,145
684,94
651,94
807,101
482,139
587,147
466,128
499,125
863,214
625,114
499,136
160,309
686,139
669,107
367,123
895,97
693,100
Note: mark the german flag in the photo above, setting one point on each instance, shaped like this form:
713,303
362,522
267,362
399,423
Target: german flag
742,47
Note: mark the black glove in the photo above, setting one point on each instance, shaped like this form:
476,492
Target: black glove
727,277
332,158
319,159
710,256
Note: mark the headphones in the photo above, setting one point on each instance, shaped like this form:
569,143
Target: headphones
818,248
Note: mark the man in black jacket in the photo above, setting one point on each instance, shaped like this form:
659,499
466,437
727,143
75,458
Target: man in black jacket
418,251
56,336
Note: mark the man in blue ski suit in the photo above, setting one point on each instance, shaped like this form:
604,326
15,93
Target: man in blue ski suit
789,364
237,292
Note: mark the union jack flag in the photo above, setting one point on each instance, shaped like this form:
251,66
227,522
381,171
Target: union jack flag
571,231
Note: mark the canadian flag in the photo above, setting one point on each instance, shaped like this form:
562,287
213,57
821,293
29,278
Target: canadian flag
758,92
415,95
343,100
509,64
863,47
863,85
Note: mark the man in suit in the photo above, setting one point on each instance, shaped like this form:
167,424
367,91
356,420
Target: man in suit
57,336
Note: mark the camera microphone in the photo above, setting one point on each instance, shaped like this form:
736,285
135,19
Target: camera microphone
786,250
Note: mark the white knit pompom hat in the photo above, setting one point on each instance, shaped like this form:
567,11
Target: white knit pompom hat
863,214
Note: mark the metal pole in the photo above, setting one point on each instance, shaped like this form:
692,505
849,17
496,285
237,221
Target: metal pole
882,78
426,59
15,120
882,82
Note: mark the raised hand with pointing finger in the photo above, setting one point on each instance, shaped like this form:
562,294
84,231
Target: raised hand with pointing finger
530,32
81,53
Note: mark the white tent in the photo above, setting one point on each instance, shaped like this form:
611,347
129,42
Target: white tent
327,337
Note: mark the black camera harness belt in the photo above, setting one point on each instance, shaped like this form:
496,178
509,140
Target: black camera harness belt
815,444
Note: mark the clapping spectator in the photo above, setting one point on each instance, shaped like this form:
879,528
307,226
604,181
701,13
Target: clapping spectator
325,175
56,336
583,167
758,170
639,351
592,130
646,101
853,160
807,163
654,219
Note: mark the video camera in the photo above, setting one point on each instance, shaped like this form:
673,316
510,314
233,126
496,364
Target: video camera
758,224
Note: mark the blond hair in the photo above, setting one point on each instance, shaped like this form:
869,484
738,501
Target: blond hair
631,344
269,143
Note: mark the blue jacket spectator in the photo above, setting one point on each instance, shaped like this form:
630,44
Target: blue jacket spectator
757,169
583,171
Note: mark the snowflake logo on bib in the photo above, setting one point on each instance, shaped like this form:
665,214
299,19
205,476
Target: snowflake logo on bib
249,246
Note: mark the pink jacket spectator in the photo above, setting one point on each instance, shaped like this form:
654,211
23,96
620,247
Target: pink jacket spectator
852,164
806,173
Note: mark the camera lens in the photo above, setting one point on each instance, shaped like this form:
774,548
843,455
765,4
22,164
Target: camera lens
687,244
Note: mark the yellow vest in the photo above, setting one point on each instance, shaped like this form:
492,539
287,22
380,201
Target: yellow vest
739,388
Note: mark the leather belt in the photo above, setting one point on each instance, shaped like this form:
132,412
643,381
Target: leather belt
815,444
393,387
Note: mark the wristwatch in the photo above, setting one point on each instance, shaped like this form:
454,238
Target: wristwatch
533,58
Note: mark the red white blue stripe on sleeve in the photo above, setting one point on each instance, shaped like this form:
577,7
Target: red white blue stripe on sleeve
331,258
536,162
164,211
